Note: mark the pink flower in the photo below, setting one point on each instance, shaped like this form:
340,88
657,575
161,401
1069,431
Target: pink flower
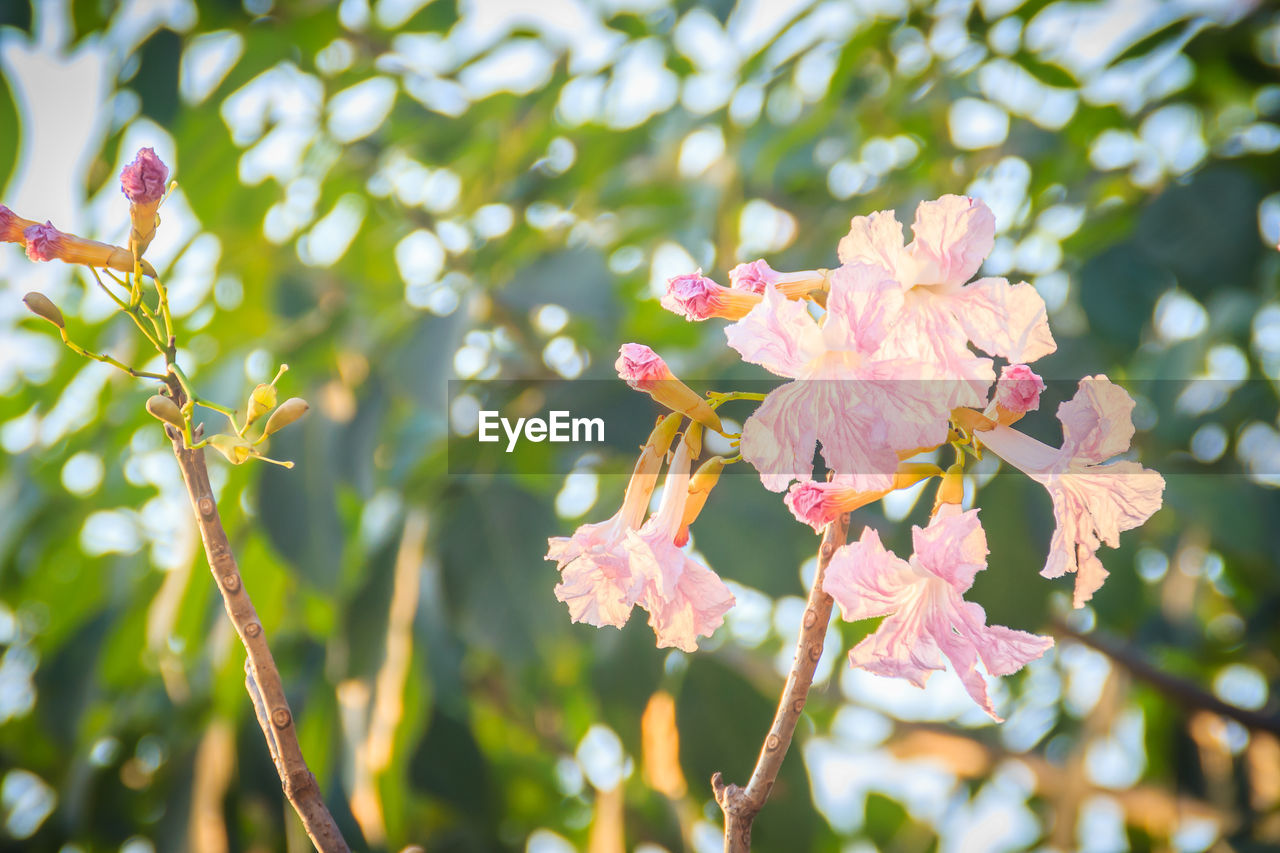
1092,502
143,181
753,277
640,367
952,237
1018,389
644,370
44,242
859,405
596,578
685,599
923,599
696,297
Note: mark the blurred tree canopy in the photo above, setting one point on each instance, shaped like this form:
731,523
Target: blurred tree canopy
393,195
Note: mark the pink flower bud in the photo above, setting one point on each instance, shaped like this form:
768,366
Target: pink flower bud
1018,390
641,367
696,297
44,242
753,277
143,181
644,370
814,503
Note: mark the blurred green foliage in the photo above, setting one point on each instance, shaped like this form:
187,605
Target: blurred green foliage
1158,155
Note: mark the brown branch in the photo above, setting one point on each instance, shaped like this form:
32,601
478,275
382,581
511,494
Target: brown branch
262,679
1184,691
741,805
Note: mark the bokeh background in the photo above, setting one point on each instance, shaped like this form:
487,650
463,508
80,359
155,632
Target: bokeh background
389,195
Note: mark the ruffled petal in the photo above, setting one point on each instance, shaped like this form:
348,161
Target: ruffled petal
1097,423
953,235
779,437
953,547
599,589
1008,320
900,648
866,580
863,302
1092,506
877,239
779,335
694,607
928,332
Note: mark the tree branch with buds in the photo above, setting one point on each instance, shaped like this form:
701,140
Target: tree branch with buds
144,183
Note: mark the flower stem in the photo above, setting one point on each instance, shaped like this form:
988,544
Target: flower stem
262,679
741,804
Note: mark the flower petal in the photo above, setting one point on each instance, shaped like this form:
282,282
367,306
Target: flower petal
1003,319
877,239
953,547
867,580
1092,506
953,235
779,334
1097,423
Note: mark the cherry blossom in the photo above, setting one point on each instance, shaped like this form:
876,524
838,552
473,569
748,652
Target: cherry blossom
928,621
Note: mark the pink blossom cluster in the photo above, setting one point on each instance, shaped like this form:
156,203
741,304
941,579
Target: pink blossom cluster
888,355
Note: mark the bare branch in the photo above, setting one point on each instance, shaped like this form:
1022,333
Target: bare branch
261,676
741,805
1186,692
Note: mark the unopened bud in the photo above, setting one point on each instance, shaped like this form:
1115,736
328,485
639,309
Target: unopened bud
166,410
43,307
236,449
262,400
643,369
700,486
951,489
290,410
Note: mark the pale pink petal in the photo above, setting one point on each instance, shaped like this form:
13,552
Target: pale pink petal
1008,320
953,236
877,239
1097,423
927,330
596,581
928,617
863,302
779,334
1091,506
964,637
599,590
639,365
953,547
778,438
901,647
694,605
866,580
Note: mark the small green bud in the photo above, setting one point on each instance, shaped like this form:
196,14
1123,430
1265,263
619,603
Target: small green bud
290,410
262,400
43,307
236,449
166,410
